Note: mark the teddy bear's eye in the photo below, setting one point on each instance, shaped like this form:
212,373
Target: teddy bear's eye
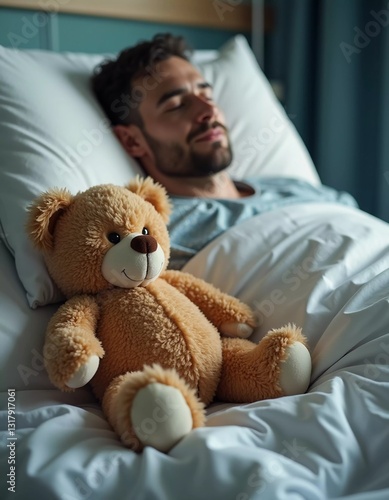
114,238
145,230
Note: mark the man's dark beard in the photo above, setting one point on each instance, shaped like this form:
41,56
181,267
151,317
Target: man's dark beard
169,157
207,165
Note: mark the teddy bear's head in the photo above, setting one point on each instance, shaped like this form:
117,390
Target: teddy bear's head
103,237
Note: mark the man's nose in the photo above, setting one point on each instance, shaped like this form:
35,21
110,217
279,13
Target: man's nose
205,110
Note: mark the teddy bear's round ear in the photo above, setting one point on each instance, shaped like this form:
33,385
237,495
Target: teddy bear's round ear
152,192
44,213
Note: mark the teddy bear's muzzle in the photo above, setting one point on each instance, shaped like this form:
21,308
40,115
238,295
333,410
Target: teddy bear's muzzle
136,260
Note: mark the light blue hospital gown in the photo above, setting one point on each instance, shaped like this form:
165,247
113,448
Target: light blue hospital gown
195,222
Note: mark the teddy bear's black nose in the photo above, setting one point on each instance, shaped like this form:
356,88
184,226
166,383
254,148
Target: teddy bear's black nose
144,244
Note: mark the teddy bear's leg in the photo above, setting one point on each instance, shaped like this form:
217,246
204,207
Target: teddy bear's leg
279,365
154,407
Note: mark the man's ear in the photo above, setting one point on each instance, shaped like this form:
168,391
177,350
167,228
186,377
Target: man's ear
132,139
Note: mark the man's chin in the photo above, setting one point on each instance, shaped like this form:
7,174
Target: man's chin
206,165
198,165
213,170
196,174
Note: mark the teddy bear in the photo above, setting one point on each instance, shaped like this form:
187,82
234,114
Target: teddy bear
157,345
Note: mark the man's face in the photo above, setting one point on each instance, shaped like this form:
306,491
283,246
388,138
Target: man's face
184,129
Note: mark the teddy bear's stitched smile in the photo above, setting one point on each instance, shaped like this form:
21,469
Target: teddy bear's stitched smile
126,275
145,277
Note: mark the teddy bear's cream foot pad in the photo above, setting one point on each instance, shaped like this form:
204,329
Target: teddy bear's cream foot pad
85,373
160,416
295,371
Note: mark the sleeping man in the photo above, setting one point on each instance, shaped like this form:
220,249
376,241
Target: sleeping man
172,126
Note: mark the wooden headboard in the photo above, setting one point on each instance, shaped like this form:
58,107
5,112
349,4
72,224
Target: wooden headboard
217,19
216,14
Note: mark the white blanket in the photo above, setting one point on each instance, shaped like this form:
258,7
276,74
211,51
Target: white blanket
324,267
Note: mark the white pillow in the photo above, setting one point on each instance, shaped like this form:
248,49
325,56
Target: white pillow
22,332
53,133
265,141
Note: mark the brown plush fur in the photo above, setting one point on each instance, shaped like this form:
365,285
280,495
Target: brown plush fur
249,374
164,332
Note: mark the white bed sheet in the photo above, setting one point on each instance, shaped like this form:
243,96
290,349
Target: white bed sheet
322,266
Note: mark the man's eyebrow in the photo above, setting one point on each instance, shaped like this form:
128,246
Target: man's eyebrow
179,91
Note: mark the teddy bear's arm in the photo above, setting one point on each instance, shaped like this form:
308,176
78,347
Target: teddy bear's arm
71,349
230,316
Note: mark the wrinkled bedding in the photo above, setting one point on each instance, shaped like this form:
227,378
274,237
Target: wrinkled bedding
324,267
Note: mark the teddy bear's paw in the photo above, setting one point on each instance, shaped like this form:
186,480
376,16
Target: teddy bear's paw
235,329
85,373
295,370
160,416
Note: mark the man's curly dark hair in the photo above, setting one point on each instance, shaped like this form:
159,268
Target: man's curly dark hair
113,80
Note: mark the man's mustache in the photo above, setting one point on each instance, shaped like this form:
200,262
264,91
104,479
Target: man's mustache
204,127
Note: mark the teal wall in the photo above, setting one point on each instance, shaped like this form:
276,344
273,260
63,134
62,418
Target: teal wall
19,27
26,29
